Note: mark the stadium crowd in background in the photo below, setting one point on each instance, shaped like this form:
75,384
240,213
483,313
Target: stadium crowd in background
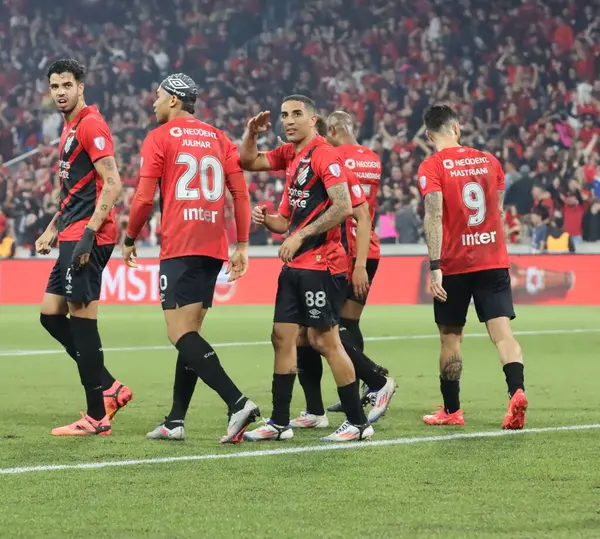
522,74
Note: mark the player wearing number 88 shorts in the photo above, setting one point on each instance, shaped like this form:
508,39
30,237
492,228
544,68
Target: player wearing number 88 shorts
193,163
463,192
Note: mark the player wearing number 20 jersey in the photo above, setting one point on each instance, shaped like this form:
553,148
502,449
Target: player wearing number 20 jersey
463,194
193,163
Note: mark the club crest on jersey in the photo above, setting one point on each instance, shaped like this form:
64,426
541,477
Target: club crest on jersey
100,143
357,190
423,182
69,141
302,176
335,169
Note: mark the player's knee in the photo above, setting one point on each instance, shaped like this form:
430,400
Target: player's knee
280,339
324,341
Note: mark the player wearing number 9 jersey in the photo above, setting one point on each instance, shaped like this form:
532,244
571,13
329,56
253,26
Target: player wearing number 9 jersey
193,163
463,191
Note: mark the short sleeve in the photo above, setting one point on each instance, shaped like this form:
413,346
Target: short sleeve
279,157
328,166
151,156
95,138
430,177
357,194
284,205
232,158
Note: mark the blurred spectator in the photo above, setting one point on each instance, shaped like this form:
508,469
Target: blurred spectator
539,229
591,222
557,239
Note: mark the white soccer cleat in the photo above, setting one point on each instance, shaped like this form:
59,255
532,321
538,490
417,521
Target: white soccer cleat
310,421
269,431
239,421
381,400
348,432
163,433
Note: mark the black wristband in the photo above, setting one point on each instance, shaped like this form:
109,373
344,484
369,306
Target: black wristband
435,265
129,241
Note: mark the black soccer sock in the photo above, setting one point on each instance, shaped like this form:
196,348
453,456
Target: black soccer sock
310,372
366,369
202,358
183,390
59,326
282,388
514,377
450,391
353,327
90,363
350,399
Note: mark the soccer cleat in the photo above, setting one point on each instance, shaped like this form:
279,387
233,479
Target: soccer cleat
116,397
162,432
307,420
86,426
381,400
238,423
442,418
269,431
365,396
348,432
515,416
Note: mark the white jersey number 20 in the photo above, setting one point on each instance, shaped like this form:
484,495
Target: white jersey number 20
474,199
183,189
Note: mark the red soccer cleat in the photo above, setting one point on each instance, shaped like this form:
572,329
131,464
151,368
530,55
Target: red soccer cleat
116,398
441,417
515,415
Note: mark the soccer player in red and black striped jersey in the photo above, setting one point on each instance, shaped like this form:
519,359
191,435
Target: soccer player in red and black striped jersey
86,231
312,283
357,238
194,163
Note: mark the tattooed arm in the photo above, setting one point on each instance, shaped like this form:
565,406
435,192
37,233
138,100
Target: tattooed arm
501,204
432,224
107,169
340,209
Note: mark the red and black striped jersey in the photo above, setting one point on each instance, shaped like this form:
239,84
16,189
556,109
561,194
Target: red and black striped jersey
309,173
83,141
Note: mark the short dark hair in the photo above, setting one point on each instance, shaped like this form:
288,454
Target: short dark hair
439,116
310,104
321,126
186,106
68,65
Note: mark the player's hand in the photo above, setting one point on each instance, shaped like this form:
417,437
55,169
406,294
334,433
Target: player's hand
129,255
81,253
289,247
46,241
238,264
259,214
260,123
360,281
437,290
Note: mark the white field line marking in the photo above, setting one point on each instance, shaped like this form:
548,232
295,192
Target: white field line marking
293,450
5,353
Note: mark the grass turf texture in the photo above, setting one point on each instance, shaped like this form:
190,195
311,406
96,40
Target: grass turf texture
529,485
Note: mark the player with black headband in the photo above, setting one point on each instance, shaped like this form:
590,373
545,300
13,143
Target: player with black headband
193,163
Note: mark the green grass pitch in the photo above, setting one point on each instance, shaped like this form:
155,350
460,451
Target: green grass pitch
530,485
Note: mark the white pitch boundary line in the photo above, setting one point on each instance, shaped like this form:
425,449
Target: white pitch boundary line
7,353
293,450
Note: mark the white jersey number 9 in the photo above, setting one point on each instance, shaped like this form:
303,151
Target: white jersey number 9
183,189
474,199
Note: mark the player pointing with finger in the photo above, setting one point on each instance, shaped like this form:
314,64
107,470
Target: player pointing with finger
463,192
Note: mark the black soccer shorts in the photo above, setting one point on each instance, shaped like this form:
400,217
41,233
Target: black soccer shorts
491,293
310,298
372,265
81,286
188,279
